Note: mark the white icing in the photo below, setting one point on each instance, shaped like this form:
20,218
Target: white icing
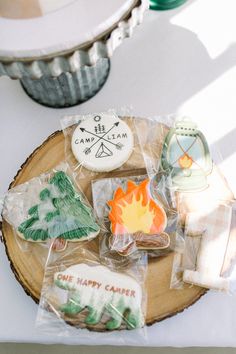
72,25
20,199
102,142
210,258
98,294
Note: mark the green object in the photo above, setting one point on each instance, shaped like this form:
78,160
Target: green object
69,88
117,312
60,213
186,157
165,4
101,294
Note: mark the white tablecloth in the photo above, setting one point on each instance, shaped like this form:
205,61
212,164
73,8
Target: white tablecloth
180,61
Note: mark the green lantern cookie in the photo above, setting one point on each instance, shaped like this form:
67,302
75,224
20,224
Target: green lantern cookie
186,156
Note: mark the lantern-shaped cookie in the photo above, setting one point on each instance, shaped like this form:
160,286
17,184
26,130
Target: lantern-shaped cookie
203,199
186,157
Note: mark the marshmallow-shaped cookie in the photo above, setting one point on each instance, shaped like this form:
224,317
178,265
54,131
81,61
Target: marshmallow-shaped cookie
214,227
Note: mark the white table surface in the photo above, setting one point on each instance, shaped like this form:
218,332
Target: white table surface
180,61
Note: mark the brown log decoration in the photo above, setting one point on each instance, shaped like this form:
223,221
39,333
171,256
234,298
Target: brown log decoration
162,302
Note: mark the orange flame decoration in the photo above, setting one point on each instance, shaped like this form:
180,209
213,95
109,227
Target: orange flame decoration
185,161
135,211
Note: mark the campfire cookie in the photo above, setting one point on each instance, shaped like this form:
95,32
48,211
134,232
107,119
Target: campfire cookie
136,218
102,142
97,294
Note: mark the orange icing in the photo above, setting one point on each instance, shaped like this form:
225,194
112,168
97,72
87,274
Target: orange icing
185,161
135,211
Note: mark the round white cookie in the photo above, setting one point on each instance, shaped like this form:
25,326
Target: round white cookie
102,142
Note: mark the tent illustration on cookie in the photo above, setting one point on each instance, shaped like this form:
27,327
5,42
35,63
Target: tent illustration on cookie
103,151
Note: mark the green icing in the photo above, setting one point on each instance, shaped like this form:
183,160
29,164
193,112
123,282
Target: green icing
60,213
118,313
71,308
132,321
94,316
186,140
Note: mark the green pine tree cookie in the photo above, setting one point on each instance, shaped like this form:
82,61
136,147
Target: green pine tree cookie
60,213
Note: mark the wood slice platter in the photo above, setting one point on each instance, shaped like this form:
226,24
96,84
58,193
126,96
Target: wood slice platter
28,266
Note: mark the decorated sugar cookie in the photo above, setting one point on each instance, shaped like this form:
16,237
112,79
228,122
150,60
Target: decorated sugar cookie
199,189
136,217
61,213
186,156
214,226
101,293
102,142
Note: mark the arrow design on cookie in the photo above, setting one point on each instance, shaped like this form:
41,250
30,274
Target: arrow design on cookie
118,145
88,150
104,145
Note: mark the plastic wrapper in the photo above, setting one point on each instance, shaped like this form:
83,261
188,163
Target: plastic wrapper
82,296
209,253
102,142
111,145
151,134
203,200
49,208
136,220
